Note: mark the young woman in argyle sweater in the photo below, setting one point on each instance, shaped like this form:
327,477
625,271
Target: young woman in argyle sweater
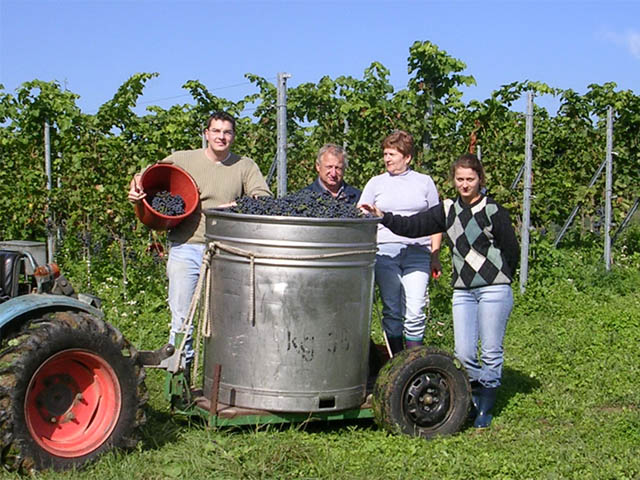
485,256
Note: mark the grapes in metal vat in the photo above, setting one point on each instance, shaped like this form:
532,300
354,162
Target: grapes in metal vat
304,203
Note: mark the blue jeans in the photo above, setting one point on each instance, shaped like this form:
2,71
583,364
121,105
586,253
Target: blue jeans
481,314
183,270
402,275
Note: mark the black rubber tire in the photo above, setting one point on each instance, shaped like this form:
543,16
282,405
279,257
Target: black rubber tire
24,359
422,392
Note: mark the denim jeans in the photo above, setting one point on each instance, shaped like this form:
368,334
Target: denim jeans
402,274
481,314
183,270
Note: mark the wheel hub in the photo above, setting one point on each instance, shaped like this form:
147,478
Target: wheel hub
57,398
427,400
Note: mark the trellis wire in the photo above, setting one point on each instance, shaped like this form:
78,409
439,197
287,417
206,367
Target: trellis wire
627,219
575,210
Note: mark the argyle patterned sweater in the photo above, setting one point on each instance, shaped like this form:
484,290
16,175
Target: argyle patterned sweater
483,243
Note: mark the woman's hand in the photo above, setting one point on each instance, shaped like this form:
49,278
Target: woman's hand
371,209
436,267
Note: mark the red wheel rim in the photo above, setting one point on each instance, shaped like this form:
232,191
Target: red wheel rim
73,403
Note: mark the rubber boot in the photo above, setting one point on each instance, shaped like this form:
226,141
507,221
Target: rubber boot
413,343
475,398
485,400
395,344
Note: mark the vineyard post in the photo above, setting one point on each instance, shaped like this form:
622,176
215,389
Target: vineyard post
345,132
526,201
282,133
608,183
58,236
47,167
426,139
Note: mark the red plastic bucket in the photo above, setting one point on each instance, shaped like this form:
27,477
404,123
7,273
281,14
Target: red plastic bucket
165,176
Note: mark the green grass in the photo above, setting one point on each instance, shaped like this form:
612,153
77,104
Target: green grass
568,408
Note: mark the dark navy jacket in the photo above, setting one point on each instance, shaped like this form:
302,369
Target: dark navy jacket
347,193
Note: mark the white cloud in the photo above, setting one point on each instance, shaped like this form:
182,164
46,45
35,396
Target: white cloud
629,40
633,40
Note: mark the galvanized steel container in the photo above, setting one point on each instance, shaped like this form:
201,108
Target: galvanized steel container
290,327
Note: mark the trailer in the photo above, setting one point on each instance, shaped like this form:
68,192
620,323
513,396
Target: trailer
279,330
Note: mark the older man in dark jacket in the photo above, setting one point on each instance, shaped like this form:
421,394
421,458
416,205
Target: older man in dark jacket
331,164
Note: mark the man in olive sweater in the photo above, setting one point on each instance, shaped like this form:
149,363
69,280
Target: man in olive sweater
222,177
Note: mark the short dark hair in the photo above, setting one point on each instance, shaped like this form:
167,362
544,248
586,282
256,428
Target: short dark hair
469,160
401,141
220,115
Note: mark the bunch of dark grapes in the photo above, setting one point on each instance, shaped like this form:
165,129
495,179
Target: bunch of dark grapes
304,203
598,219
166,203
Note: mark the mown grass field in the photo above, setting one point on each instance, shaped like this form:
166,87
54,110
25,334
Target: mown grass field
569,406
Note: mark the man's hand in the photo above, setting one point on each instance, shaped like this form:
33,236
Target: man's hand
227,205
136,194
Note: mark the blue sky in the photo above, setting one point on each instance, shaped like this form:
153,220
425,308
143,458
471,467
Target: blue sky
92,47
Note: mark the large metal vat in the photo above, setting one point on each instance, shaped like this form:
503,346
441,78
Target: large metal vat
289,327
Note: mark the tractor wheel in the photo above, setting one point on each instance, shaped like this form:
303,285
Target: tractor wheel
422,392
70,390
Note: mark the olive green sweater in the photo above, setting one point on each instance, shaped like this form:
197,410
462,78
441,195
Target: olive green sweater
219,183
